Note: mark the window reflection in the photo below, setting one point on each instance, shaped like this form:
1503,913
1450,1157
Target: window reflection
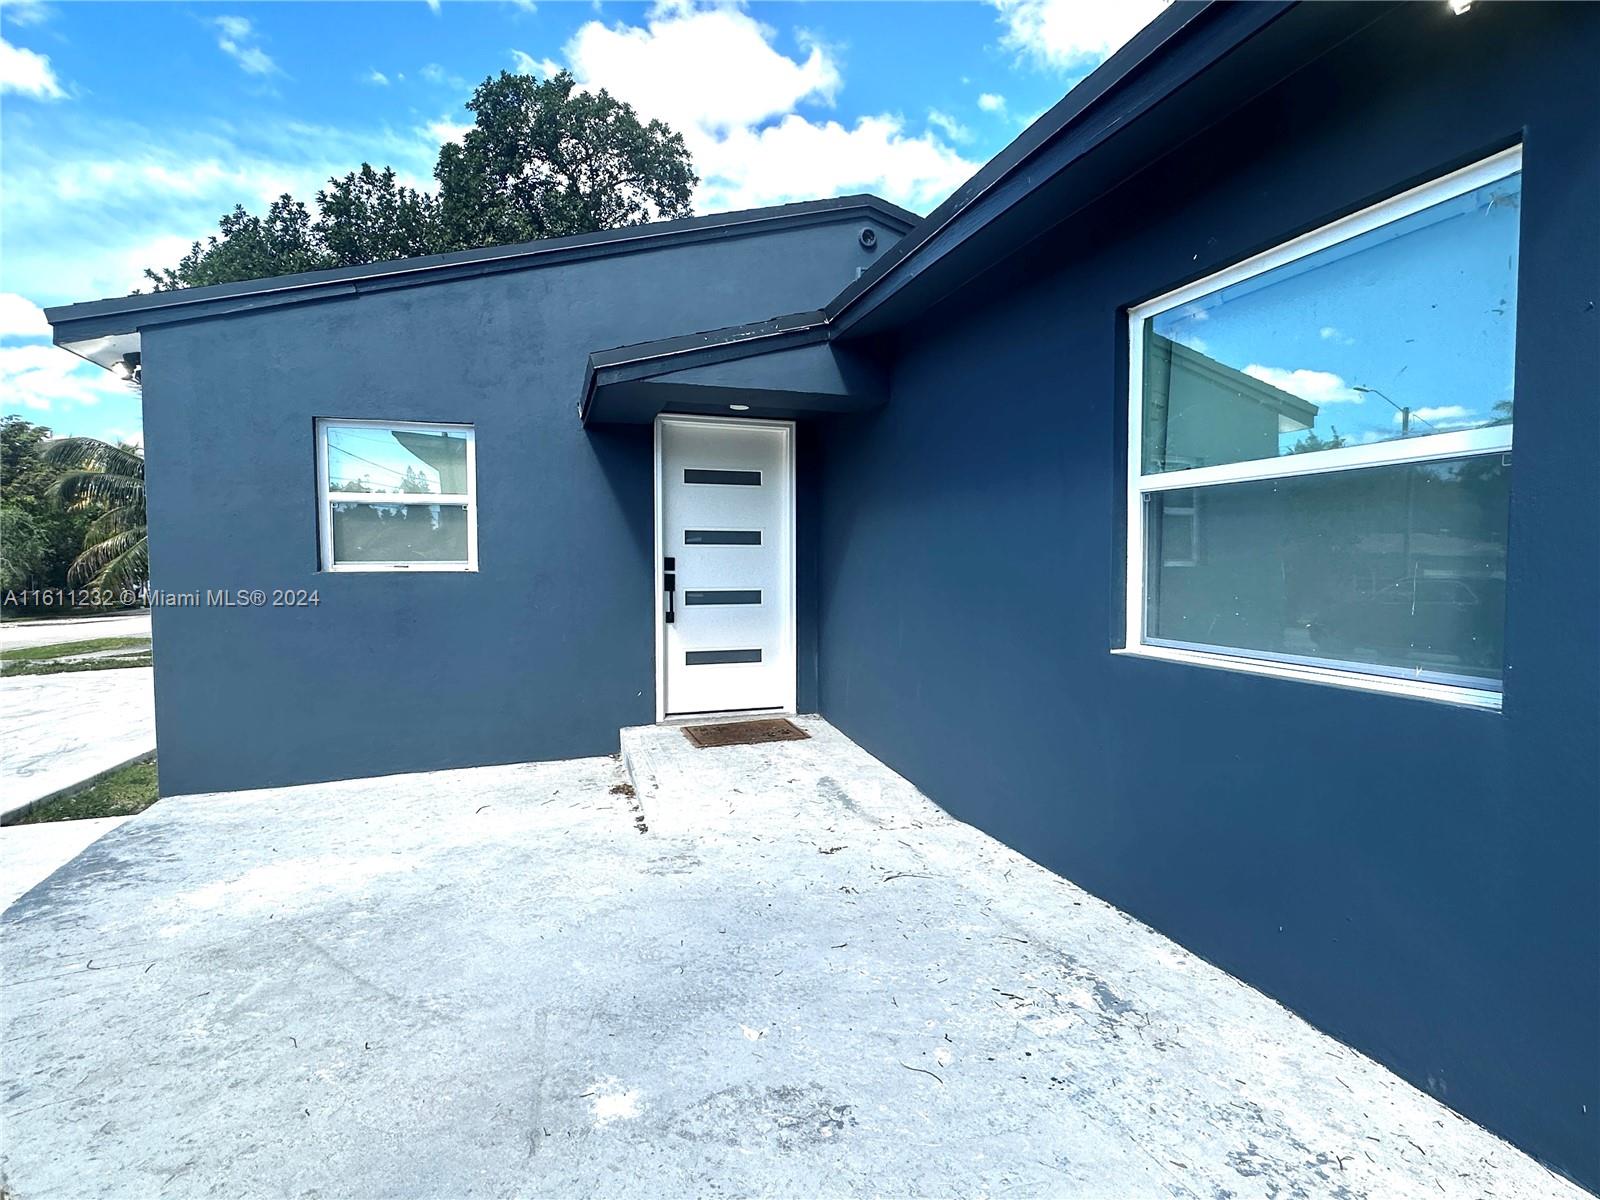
367,532
1403,331
374,459
1400,567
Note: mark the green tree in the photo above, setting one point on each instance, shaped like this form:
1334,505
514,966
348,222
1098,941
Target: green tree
108,482
543,159
414,482
249,247
38,540
22,547
370,216
1312,442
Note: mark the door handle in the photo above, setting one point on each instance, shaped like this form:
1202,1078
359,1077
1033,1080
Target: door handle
669,583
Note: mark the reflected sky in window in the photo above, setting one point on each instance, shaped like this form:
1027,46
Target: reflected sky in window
373,459
1405,330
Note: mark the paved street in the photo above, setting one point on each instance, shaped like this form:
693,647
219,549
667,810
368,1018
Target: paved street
16,634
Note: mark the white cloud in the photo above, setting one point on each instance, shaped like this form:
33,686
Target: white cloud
717,77
1072,35
434,73
949,126
1319,387
86,206
527,6
26,73
124,437
375,77
235,38
445,130
991,102
433,6
47,378
797,159
707,69
26,12
527,64
21,317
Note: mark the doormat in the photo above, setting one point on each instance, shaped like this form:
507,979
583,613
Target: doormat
744,733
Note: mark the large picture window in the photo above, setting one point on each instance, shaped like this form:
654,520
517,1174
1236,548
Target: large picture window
1320,450
397,497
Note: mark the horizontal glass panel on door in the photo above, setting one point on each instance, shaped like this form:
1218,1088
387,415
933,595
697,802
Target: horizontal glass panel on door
396,461
716,658
1402,331
722,537
1398,569
740,596
399,533
710,475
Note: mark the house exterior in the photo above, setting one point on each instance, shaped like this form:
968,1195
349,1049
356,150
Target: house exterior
1150,504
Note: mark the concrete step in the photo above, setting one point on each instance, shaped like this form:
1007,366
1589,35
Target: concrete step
686,789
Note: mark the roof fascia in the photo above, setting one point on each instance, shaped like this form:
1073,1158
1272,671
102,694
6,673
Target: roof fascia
1187,39
97,318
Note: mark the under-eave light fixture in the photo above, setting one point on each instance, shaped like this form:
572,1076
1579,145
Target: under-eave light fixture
128,369
739,407
1457,7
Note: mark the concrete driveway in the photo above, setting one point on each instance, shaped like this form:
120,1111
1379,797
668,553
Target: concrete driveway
777,972
31,853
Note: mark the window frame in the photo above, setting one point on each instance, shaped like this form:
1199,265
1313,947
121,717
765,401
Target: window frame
1423,448
327,498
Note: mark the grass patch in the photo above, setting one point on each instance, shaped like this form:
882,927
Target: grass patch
132,789
60,649
68,656
87,664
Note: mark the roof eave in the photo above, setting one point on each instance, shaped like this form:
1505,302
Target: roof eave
96,318
1124,87
786,366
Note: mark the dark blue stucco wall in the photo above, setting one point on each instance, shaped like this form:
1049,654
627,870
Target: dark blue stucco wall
545,651
1421,880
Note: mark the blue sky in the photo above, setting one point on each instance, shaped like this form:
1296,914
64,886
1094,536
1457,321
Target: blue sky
128,128
1420,315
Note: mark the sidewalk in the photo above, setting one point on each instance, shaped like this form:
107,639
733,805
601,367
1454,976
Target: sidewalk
62,730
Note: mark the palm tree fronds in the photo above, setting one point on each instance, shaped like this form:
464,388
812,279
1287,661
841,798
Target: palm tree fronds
117,552
92,454
122,560
80,489
115,520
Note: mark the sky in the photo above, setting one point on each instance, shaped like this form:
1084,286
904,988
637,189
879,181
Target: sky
1406,330
127,129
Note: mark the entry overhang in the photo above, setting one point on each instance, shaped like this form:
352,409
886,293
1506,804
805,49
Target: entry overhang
785,367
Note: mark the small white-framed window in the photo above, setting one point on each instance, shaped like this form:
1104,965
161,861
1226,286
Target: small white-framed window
396,496
1340,408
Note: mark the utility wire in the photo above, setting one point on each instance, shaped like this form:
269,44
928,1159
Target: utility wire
1401,409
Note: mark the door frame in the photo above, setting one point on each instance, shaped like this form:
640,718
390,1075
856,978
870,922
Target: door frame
791,689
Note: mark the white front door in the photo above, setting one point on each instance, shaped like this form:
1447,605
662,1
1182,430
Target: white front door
725,565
